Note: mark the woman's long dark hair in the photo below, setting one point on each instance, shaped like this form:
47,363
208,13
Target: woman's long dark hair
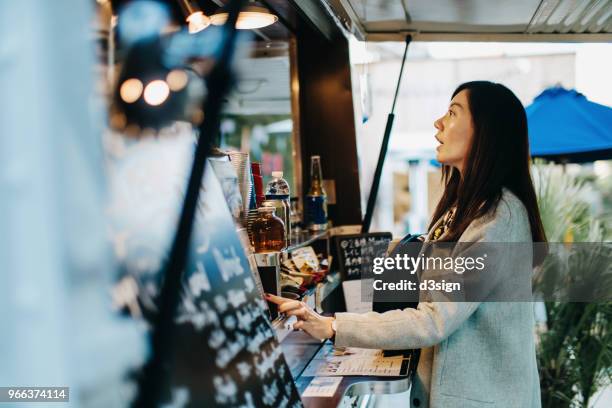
498,157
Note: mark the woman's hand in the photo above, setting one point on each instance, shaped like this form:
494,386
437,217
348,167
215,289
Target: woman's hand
319,327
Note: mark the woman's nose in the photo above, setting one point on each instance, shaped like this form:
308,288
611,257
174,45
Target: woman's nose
438,124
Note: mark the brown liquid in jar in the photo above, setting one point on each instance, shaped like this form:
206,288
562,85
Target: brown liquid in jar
268,231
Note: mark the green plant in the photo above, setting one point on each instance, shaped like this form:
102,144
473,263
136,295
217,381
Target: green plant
575,348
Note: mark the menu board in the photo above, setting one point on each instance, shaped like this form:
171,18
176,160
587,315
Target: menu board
357,251
226,353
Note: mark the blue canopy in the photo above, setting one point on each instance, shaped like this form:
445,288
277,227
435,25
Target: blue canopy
565,126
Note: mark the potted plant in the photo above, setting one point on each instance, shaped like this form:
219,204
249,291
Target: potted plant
574,348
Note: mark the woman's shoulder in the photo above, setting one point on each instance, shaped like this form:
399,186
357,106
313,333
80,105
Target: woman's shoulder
508,222
510,208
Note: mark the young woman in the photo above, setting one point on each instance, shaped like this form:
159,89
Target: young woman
473,354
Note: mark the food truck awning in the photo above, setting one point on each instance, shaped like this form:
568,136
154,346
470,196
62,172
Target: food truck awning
476,20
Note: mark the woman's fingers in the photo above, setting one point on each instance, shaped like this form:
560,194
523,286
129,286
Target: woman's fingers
285,305
298,325
289,306
277,299
301,313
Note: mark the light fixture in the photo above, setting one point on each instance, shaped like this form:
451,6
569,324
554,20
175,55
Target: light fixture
156,92
197,19
197,22
252,16
148,94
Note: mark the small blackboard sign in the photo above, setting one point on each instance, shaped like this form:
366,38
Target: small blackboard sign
354,252
225,350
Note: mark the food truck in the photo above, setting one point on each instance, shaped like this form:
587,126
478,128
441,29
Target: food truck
225,132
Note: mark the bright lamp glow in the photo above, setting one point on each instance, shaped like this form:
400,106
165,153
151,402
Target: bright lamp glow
252,17
130,90
156,92
197,22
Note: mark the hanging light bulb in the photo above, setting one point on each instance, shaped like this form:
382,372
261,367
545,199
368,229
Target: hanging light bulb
252,16
197,19
148,93
197,22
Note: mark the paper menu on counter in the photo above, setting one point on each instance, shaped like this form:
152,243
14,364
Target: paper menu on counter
377,366
322,387
353,351
359,362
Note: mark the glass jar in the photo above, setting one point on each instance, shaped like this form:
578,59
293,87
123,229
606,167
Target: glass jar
268,231
282,210
277,195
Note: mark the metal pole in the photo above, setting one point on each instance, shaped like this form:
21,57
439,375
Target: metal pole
155,376
367,219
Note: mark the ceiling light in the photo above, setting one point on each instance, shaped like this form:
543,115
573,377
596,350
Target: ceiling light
194,16
197,22
252,16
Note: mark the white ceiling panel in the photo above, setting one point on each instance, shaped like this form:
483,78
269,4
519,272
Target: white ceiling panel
378,10
473,12
490,20
262,87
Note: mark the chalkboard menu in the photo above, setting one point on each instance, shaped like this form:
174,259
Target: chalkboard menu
226,353
357,251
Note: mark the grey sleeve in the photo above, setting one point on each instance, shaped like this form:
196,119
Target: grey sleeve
425,326
431,322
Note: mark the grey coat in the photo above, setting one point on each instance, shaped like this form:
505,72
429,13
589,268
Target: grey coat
473,354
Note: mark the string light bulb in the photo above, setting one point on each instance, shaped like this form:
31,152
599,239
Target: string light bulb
156,92
130,90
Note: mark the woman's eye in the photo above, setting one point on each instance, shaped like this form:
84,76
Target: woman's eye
450,113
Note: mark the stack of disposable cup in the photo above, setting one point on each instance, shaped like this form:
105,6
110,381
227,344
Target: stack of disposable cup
241,163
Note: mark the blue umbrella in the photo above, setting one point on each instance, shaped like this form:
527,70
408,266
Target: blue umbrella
565,126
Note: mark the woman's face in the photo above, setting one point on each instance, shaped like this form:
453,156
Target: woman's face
455,132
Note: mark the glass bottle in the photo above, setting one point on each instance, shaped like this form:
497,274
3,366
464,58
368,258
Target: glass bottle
315,205
268,231
277,189
278,185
